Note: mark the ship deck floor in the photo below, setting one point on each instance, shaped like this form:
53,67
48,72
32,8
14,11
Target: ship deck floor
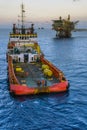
33,74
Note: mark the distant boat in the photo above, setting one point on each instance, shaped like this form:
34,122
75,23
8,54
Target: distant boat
28,71
41,28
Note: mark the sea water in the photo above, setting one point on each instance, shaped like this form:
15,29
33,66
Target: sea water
64,111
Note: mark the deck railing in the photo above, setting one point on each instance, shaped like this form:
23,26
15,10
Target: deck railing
57,73
12,77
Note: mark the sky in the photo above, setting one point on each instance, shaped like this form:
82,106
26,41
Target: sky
42,10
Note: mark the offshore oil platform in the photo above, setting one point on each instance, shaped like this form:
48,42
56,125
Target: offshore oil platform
63,27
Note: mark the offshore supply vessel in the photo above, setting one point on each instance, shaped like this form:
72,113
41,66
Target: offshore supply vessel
63,27
28,70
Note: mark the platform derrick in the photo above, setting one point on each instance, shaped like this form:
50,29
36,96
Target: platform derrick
63,27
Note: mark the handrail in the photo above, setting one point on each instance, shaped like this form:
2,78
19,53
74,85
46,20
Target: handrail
57,73
12,77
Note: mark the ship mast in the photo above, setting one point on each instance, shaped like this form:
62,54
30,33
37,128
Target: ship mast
22,19
21,30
